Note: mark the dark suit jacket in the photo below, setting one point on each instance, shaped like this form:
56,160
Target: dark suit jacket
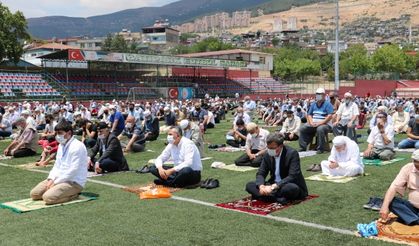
113,151
290,170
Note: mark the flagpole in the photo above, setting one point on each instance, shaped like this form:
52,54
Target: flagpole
337,49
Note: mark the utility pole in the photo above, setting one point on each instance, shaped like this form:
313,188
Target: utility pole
337,48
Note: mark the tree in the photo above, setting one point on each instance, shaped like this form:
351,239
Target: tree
390,58
107,44
275,41
13,33
355,61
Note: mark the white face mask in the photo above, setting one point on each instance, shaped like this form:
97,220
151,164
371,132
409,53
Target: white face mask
102,137
170,139
60,139
240,114
319,97
272,152
254,135
128,125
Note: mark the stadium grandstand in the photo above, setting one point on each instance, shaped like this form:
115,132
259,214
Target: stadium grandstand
84,75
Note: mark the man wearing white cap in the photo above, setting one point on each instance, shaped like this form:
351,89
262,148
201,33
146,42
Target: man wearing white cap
406,181
318,123
346,116
373,121
344,159
150,126
191,131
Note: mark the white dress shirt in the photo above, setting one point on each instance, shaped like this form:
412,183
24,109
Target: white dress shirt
70,164
185,154
376,139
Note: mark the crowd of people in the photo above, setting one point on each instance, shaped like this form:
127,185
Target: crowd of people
94,137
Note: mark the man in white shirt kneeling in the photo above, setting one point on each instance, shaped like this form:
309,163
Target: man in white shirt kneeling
344,160
187,162
69,174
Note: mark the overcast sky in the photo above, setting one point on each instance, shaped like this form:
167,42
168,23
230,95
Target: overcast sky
77,8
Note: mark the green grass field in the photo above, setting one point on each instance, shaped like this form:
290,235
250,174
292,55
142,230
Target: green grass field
121,218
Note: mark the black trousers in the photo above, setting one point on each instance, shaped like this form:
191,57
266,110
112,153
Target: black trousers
109,165
288,191
5,134
24,153
185,177
244,160
90,143
287,137
235,143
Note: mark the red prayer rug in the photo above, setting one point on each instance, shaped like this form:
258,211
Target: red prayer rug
259,207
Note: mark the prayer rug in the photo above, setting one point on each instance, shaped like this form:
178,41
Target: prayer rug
334,179
378,162
307,153
399,232
233,167
405,150
259,207
170,162
28,205
32,165
229,149
3,157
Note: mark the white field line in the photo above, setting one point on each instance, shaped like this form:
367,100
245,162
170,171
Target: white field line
212,205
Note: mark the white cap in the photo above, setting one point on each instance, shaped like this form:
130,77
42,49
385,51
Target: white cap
339,140
147,113
111,106
166,108
348,94
183,124
218,164
415,155
320,91
25,112
137,105
383,108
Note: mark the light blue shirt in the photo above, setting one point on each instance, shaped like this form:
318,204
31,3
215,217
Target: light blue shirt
277,168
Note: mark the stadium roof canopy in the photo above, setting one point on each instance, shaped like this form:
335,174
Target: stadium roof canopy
77,55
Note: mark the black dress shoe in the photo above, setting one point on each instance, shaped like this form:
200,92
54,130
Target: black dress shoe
214,183
282,200
311,167
370,203
205,183
144,169
317,168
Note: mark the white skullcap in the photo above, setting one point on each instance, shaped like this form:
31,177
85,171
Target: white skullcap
137,105
25,112
147,113
111,106
320,91
348,94
166,108
339,140
415,155
382,108
183,124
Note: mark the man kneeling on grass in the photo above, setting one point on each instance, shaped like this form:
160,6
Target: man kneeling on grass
68,176
407,180
187,161
286,182
344,160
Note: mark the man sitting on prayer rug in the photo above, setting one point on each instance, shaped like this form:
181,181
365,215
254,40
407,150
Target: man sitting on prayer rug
407,180
69,174
344,160
286,182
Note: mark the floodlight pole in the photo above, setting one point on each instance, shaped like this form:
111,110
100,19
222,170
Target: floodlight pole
337,48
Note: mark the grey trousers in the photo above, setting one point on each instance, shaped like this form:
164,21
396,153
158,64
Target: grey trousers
307,133
382,154
344,130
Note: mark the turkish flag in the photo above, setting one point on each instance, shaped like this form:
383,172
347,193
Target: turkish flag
75,55
173,93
